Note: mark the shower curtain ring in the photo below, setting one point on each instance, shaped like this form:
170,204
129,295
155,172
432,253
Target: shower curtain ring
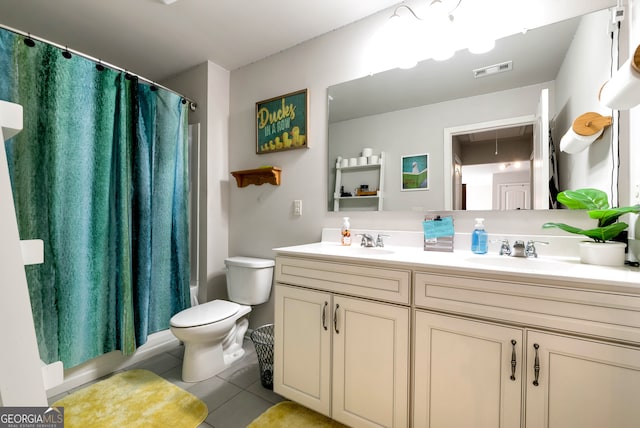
29,41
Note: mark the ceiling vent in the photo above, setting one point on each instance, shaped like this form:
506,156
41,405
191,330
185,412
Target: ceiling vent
493,69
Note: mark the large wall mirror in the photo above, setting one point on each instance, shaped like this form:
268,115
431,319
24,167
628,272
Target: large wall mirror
481,131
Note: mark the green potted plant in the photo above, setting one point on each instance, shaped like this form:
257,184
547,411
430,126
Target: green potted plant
608,227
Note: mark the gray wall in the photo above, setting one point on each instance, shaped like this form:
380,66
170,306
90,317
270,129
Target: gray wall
576,94
261,217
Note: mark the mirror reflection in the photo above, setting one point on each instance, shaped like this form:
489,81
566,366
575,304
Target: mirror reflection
489,124
499,158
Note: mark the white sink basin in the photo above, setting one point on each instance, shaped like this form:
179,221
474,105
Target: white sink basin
363,251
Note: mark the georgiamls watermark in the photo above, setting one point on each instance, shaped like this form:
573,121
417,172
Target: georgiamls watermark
31,417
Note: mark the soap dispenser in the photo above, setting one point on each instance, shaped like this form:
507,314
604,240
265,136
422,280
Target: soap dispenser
479,241
346,232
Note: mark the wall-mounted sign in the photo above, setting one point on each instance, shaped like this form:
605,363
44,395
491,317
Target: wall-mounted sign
281,123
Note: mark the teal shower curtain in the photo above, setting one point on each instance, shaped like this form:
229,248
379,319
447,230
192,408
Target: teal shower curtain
99,173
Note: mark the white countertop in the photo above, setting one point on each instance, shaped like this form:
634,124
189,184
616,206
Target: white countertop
554,270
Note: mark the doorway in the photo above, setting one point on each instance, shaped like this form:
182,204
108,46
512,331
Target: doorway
491,164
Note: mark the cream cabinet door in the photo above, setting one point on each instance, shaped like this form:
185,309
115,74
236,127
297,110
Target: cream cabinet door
467,373
581,383
370,363
302,350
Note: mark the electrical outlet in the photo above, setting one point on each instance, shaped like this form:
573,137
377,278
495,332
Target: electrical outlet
617,16
297,207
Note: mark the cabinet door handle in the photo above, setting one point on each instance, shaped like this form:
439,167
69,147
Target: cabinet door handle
335,319
536,366
513,359
324,315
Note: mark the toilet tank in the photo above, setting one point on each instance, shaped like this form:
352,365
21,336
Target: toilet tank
249,279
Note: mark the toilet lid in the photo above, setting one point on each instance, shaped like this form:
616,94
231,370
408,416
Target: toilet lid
250,262
205,313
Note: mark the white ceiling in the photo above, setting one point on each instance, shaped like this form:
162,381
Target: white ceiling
156,40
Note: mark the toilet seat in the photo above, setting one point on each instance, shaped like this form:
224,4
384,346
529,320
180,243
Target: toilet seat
206,313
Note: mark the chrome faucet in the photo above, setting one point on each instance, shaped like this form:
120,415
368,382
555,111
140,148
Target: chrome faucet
505,248
367,240
518,249
530,249
379,241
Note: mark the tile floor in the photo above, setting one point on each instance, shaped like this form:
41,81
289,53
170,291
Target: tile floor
234,397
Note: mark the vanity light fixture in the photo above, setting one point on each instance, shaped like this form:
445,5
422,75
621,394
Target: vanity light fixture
409,36
515,164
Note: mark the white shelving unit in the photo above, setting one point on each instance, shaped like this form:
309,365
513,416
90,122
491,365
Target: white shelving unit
377,198
21,375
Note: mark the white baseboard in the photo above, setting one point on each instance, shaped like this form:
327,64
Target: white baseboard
103,365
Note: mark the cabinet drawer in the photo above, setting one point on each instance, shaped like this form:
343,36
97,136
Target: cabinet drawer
389,285
595,313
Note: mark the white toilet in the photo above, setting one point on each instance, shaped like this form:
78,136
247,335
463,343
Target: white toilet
213,332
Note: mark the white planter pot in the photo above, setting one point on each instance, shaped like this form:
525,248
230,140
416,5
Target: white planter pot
602,253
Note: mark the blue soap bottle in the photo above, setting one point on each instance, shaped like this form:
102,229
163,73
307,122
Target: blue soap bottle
479,241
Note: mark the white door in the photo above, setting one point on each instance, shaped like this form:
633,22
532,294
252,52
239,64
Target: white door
370,363
541,153
457,183
466,373
514,196
302,350
581,383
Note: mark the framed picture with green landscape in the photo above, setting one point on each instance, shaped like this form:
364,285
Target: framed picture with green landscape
281,123
415,172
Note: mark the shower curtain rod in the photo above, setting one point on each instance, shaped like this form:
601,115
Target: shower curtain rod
192,104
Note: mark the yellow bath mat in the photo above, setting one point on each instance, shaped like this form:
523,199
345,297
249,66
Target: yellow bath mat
288,414
135,398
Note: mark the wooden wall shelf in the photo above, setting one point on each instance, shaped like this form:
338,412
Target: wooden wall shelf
257,176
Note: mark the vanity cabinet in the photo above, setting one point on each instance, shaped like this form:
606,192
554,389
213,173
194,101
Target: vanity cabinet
337,350
467,373
464,366
395,342
581,383
470,373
